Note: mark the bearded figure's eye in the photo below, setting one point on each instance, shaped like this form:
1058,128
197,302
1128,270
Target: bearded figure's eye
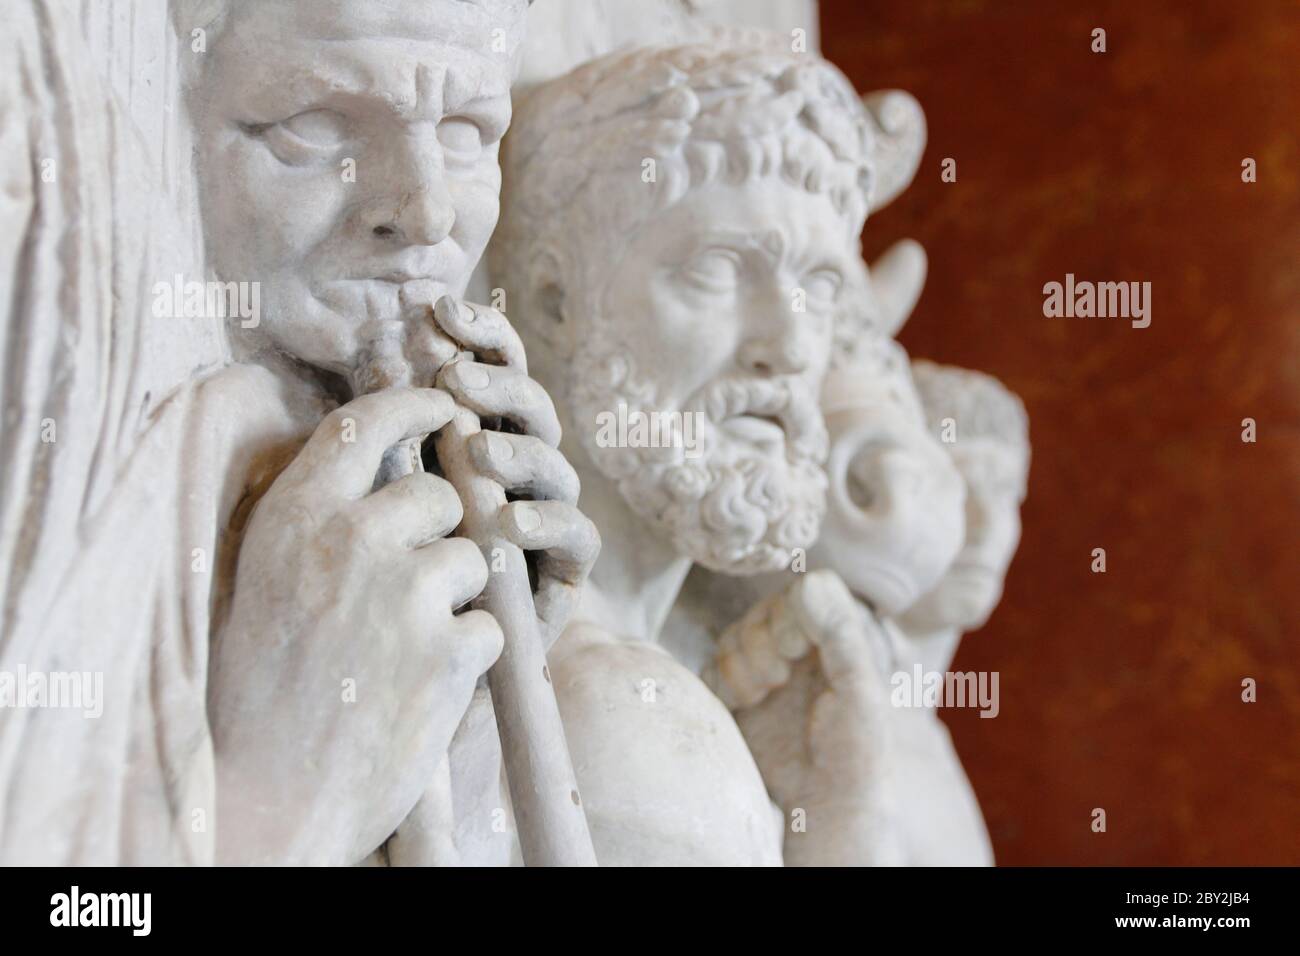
823,287
715,270
311,137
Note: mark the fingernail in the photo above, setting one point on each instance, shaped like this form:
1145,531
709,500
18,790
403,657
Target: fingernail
499,447
467,314
471,376
526,517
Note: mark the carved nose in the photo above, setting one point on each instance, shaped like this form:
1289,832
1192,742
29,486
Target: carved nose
784,355
424,217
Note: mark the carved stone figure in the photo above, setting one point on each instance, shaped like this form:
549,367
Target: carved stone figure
896,509
107,532
679,226
235,549
922,534
350,161
894,525
289,540
936,819
985,429
926,802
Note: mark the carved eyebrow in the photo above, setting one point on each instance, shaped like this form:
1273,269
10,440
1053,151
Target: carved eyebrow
742,240
774,247
404,88
306,92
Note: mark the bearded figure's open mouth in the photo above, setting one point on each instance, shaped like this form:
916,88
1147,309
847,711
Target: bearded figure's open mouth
763,431
768,415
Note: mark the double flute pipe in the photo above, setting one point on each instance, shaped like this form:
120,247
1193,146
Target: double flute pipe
548,810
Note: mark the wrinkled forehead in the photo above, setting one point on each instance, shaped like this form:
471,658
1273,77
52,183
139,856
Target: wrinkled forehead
469,23
275,48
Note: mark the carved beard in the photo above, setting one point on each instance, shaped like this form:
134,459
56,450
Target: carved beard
732,508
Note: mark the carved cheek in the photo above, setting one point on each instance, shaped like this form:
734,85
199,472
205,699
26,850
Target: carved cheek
269,211
478,204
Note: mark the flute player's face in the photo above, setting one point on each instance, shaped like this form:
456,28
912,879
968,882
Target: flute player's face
350,161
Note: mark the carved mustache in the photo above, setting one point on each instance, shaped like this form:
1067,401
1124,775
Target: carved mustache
787,401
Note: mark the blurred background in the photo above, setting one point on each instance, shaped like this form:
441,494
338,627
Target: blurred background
1121,690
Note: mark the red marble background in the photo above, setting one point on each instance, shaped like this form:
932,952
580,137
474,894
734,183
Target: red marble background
1121,690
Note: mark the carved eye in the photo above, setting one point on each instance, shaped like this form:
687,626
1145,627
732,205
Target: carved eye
313,136
461,139
716,270
823,287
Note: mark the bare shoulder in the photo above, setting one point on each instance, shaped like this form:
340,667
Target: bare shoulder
666,776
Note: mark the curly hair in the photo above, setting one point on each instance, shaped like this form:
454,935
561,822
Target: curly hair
981,406
735,109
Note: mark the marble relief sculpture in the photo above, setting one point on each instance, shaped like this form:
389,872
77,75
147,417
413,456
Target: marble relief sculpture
107,519
311,606
379,575
989,445
671,292
417,97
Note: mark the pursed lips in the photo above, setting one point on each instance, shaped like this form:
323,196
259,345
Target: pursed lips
388,295
400,277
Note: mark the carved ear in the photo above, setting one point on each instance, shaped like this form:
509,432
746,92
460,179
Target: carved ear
899,128
898,277
546,280
550,300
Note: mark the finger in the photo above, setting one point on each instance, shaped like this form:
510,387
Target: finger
475,641
787,623
522,463
729,664
413,510
816,598
788,637
569,544
365,428
568,540
844,656
554,603
425,836
481,330
834,623
451,571
733,667
495,391
756,641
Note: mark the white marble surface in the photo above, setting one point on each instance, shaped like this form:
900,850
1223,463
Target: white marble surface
225,518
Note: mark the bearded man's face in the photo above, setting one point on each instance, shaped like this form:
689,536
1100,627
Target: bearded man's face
721,308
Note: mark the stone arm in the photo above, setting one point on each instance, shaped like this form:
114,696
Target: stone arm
803,675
